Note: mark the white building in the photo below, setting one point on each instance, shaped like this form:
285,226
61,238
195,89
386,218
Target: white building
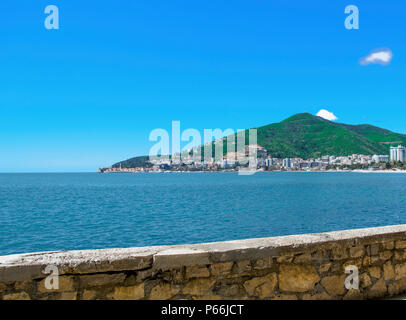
269,162
380,158
398,154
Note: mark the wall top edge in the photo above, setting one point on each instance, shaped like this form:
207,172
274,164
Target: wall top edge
220,251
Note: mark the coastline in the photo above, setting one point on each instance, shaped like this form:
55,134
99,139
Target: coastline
380,171
274,171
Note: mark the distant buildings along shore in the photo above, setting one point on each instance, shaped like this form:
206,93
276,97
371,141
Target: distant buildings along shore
266,162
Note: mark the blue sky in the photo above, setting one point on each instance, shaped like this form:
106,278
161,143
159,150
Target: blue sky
88,95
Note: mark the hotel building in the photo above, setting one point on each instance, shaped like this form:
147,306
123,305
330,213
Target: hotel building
398,154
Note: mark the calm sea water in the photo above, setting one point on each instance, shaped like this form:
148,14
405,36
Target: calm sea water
43,212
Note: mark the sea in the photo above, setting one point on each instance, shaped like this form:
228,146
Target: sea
71,211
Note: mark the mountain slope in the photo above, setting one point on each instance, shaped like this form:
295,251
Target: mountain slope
304,135
307,136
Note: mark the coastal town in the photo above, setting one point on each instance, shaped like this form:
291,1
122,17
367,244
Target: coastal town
395,161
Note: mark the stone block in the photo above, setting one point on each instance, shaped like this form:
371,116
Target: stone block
400,271
356,252
9,274
385,255
105,264
388,271
180,256
261,287
375,272
400,244
389,245
400,255
127,293
334,285
198,287
297,278
242,267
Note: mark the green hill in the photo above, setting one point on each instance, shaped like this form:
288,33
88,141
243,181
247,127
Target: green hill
304,135
135,162
307,136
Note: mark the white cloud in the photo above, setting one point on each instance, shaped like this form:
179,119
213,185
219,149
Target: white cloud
323,113
379,56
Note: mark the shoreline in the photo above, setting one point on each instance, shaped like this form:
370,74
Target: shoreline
275,171
299,171
379,171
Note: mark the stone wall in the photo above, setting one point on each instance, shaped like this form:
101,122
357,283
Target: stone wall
310,266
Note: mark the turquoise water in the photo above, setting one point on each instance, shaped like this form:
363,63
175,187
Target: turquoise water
43,212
